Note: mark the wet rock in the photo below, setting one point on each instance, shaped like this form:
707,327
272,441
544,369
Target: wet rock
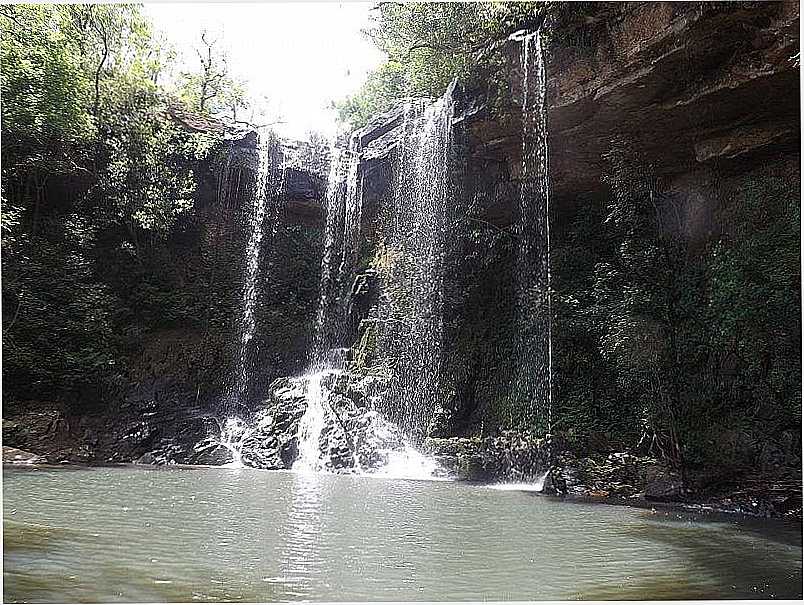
508,457
662,485
620,474
554,483
209,452
48,432
354,436
12,455
146,458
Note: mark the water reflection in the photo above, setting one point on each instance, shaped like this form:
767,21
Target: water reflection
302,534
129,534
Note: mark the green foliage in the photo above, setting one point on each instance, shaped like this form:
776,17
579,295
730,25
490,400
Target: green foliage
146,180
427,45
45,89
687,345
382,89
56,320
95,177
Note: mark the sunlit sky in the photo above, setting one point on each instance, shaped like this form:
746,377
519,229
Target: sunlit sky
299,55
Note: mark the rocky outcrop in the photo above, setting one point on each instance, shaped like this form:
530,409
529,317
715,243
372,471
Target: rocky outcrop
719,80
12,455
510,457
617,475
354,436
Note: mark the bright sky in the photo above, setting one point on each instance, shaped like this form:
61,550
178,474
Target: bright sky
299,55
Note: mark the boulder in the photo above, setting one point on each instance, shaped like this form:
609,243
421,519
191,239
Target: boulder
508,457
662,485
12,455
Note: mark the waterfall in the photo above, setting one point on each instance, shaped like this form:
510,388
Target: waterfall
410,263
338,264
341,249
409,315
266,192
311,426
533,387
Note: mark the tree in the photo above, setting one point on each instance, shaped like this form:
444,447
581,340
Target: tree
427,45
94,176
212,90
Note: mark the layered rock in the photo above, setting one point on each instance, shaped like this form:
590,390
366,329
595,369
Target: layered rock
684,85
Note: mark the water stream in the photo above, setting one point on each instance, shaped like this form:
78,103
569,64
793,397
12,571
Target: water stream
341,245
533,387
266,191
409,318
341,248
233,434
311,426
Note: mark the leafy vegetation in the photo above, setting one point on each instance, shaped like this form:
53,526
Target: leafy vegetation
680,342
96,176
427,45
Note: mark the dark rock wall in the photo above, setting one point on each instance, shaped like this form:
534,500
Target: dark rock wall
692,105
177,320
192,356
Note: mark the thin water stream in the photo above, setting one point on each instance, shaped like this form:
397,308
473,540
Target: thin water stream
409,317
202,534
534,380
262,206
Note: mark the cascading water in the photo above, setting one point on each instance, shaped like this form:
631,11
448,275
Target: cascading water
311,426
233,434
533,383
409,316
341,248
410,312
267,189
266,192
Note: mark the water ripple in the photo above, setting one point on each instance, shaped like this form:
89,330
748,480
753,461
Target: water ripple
134,534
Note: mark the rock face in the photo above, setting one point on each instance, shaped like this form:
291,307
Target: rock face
717,80
703,97
509,457
12,455
353,436
696,93
618,475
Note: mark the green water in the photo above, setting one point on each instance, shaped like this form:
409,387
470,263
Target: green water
181,534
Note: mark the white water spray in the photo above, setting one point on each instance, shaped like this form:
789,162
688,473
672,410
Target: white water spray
534,381
233,433
410,314
341,248
311,426
536,486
